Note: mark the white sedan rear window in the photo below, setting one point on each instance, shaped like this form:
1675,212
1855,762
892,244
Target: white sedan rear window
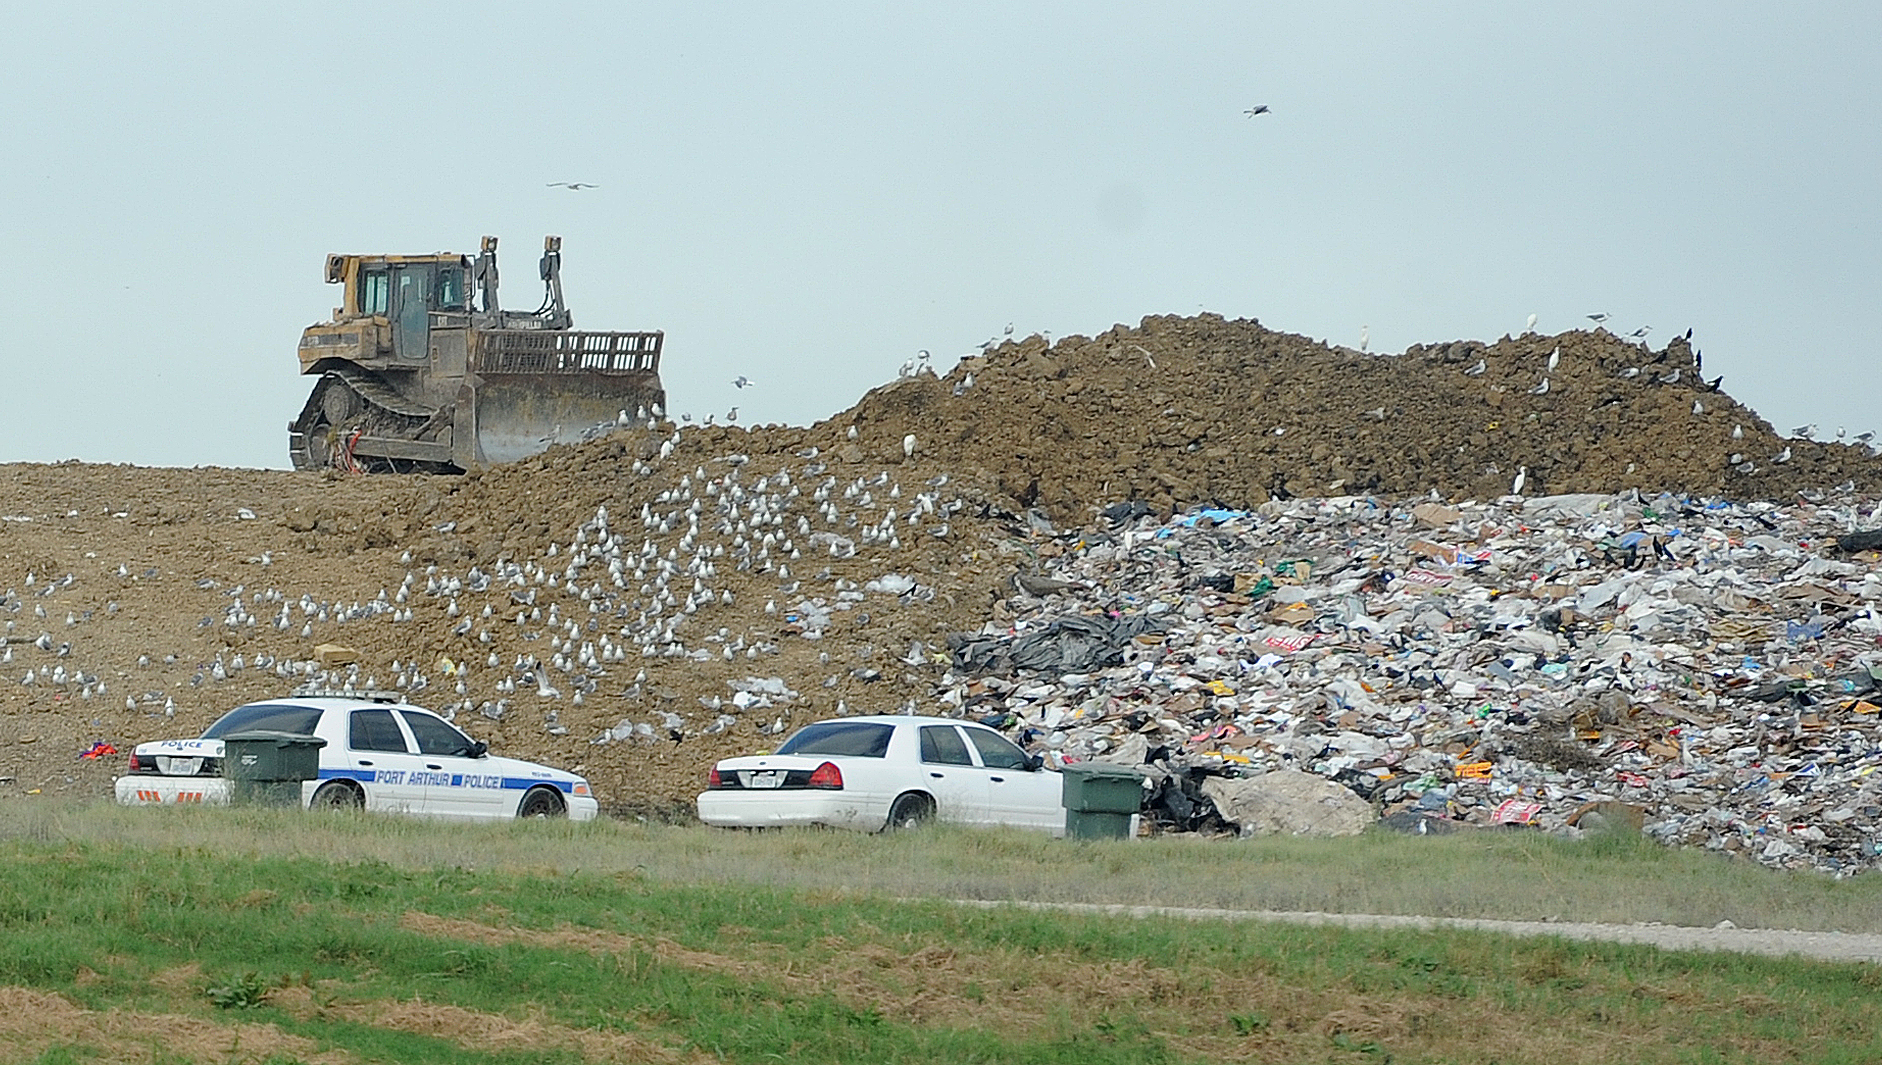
278,717
855,739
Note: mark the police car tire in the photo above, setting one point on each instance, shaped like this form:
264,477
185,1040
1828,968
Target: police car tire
334,795
911,810
541,802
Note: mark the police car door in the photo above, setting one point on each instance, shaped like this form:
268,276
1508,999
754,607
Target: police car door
456,784
376,745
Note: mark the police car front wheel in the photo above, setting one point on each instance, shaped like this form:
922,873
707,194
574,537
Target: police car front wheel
542,803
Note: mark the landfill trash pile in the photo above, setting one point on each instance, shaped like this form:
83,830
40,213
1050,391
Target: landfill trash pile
1204,411
1708,671
640,605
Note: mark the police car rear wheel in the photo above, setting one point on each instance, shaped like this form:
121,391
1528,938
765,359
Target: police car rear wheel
334,795
541,803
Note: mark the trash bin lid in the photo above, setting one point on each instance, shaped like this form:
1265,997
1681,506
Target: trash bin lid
1103,769
276,737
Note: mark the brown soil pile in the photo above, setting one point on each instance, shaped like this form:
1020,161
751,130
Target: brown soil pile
147,584
1187,411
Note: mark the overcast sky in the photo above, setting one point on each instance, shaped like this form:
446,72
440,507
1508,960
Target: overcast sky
808,193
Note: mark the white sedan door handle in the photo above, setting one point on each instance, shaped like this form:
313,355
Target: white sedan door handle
998,780
937,776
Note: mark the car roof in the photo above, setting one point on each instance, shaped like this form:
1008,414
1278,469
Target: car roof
332,702
893,719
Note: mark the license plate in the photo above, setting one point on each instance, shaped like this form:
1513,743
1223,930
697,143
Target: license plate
184,767
767,779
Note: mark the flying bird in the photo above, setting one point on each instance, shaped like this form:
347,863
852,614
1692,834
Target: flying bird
572,186
1258,109
1641,333
741,381
1599,318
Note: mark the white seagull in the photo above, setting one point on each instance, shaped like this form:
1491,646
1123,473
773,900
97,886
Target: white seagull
572,186
1555,358
1365,336
741,381
1698,407
1738,432
1783,456
1541,389
1530,325
1477,370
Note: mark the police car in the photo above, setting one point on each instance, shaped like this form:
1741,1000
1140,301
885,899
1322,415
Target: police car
381,754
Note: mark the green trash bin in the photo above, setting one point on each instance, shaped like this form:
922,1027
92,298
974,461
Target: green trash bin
1099,799
266,768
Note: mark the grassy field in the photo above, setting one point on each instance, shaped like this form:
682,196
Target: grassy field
1513,876
224,936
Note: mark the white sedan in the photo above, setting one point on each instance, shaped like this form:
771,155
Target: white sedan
379,756
872,773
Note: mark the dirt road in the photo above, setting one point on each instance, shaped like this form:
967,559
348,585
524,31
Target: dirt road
1826,946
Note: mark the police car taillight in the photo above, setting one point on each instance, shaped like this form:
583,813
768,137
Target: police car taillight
713,779
827,775
137,766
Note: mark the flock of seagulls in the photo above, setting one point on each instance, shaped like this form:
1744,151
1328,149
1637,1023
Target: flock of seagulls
557,626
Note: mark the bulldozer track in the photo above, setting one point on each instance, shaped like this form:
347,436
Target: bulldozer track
350,404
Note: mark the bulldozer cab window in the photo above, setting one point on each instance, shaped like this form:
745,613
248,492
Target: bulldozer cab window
450,289
373,292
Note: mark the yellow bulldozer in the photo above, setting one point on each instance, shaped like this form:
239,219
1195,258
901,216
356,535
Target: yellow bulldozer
421,370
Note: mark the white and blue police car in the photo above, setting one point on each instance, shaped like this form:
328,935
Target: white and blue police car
381,754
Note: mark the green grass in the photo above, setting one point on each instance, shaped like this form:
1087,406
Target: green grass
1514,875
753,974
361,939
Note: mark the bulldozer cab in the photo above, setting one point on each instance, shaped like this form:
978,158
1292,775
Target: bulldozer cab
403,290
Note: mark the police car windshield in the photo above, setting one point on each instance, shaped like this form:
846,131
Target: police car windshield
278,717
858,739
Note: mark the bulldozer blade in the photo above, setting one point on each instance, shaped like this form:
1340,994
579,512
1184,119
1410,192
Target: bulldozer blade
510,411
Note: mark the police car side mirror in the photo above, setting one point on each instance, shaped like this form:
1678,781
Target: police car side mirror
1034,763
479,749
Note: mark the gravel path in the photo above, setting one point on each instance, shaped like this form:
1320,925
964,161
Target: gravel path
1829,946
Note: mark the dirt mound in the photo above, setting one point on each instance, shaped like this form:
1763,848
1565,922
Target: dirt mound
1200,411
633,578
